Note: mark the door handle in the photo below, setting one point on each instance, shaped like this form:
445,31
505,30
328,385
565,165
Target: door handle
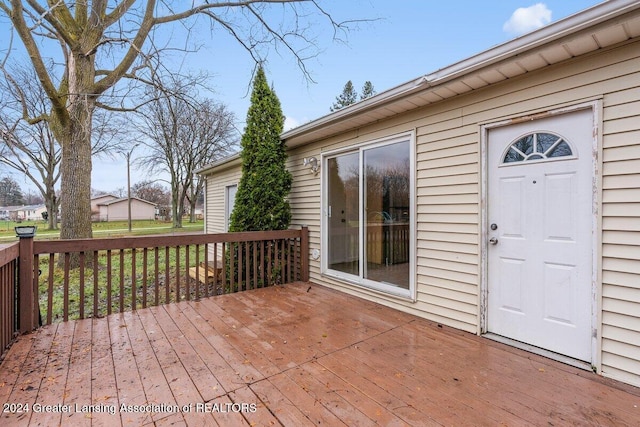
493,240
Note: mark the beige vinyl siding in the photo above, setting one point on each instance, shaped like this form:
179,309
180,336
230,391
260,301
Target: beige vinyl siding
448,218
621,234
119,211
304,200
139,210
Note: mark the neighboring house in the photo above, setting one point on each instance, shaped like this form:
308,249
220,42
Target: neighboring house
32,212
96,201
499,195
117,209
22,213
5,213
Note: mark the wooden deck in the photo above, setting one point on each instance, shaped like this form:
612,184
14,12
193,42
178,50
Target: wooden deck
295,355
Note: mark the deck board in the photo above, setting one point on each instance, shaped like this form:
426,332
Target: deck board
104,391
78,389
56,374
152,377
32,372
128,381
294,355
12,365
196,352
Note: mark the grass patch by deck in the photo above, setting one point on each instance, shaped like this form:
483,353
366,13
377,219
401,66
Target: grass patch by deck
110,278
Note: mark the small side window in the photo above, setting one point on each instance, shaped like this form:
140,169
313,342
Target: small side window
230,201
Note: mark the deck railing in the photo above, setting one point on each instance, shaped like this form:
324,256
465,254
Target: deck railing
76,279
8,289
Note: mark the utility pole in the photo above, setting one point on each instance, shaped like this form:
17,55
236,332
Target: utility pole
128,154
129,186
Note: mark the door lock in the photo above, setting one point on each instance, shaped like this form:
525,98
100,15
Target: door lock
493,240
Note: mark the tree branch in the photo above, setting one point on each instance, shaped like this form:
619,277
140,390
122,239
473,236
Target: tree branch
133,52
31,46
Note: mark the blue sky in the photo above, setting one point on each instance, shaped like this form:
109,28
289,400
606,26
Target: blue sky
408,38
404,40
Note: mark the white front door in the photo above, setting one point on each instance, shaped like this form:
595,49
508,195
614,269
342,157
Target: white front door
540,203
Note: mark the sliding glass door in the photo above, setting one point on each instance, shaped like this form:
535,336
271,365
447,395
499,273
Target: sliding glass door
368,211
344,213
388,212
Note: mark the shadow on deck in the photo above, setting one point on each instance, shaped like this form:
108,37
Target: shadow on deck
291,355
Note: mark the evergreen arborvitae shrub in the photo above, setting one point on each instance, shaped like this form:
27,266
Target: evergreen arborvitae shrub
261,200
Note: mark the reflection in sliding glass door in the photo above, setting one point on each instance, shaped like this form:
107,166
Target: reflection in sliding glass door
387,204
343,213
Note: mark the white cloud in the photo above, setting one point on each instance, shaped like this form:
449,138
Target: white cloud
290,123
526,19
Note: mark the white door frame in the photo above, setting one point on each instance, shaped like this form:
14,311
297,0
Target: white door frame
596,226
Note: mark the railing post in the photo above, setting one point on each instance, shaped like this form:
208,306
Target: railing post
304,253
28,299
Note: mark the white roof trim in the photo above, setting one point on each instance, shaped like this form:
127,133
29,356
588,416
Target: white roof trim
218,165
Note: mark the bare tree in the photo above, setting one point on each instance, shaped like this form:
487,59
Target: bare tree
183,136
152,192
32,150
31,198
102,44
214,135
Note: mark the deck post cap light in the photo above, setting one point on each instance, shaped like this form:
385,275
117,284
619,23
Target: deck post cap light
25,230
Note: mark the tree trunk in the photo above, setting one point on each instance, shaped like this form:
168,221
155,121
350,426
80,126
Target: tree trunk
51,201
52,212
75,181
75,168
192,213
175,209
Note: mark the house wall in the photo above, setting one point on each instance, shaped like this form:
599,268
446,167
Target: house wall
215,218
26,213
215,221
103,213
448,165
120,211
36,214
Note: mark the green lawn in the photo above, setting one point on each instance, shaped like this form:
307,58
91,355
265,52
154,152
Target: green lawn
103,229
115,278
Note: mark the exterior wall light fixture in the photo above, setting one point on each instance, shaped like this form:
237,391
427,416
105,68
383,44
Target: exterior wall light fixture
313,163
